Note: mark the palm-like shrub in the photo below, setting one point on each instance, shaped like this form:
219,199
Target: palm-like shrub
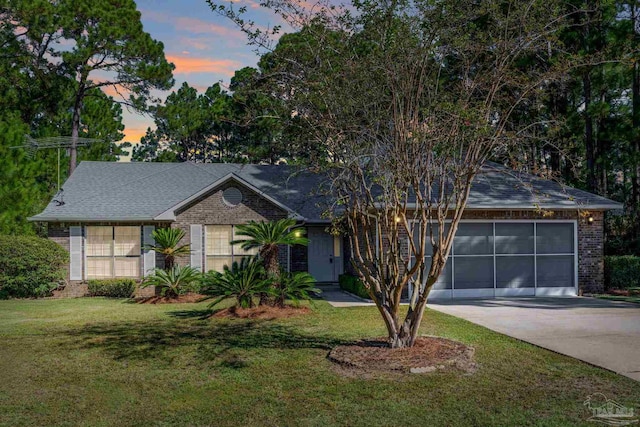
167,243
296,287
174,282
243,282
267,236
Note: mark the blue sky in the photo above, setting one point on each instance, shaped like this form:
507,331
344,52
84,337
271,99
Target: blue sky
205,47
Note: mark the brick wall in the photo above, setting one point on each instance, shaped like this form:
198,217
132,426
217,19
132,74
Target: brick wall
299,258
211,209
591,254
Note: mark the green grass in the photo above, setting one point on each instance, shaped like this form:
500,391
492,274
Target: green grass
634,299
103,362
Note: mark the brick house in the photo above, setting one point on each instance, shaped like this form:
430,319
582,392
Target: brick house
505,245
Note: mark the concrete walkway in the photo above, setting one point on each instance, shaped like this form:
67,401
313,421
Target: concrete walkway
339,298
603,333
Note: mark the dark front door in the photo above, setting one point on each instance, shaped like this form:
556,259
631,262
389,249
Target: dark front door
322,262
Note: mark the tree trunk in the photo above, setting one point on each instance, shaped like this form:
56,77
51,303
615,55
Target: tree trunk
168,262
75,130
592,183
635,143
559,109
269,256
403,335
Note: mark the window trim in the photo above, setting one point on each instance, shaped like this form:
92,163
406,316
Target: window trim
113,255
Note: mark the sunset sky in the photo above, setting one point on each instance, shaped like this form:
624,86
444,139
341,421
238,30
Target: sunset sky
205,47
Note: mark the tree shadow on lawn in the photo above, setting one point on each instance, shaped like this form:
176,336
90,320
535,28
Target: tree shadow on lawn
193,314
208,341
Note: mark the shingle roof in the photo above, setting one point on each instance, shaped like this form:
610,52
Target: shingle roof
112,191
109,191
498,187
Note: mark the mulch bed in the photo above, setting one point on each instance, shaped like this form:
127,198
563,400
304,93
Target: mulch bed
263,312
429,354
186,298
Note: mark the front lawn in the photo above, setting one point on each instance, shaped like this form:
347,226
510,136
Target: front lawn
106,362
634,299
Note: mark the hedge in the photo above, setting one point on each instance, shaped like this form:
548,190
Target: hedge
30,266
621,272
353,285
112,288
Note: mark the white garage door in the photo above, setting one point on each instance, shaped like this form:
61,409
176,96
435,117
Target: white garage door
510,258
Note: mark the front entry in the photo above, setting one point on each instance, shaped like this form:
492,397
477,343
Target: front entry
325,255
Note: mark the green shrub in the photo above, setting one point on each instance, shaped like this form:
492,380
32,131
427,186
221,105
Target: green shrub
296,287
621,272
112,288
244,282
174,282
30,266
354,285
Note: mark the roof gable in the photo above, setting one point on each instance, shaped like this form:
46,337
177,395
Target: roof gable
170,214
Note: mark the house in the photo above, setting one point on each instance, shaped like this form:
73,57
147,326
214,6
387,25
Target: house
505,246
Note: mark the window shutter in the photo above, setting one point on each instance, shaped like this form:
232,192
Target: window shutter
196,246
75,253
149,256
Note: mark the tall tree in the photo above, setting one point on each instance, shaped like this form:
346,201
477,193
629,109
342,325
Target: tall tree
97,43
20,194
191,127
37,99
632,10
256,118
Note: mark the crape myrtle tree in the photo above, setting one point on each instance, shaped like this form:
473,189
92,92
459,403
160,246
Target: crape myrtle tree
97,44
409,99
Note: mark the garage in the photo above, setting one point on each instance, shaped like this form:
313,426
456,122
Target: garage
504,258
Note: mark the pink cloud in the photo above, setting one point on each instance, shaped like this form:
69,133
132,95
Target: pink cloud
251,3
196,43
199,26
189,25
188,65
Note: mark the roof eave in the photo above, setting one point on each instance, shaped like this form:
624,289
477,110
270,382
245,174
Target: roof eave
597,206
494,207
38,218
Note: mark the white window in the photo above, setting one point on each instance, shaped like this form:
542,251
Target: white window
219,250
113,251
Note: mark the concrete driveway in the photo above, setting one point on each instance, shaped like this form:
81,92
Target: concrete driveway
604,333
